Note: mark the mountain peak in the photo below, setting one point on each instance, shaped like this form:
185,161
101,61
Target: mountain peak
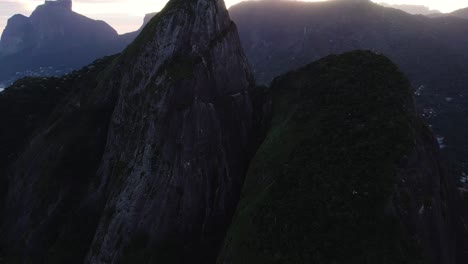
66,4
180,94
353,1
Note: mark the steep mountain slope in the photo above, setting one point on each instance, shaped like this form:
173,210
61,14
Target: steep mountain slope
348,173
54,36
144,163
461,13
309,31
281,36
27,105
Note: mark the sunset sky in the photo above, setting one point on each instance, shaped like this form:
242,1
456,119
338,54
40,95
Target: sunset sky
127,15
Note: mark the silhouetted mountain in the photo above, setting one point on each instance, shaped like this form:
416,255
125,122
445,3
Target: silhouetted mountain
348,173
433,52
54,36
461,13
413,9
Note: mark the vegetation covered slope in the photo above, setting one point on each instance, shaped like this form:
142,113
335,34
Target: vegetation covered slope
281,36
56,109
347,173
27,105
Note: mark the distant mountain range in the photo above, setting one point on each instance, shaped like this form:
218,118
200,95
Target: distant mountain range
413,9
426,11
280,36
55,40
461,13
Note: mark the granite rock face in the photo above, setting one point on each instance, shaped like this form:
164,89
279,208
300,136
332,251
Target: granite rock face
53,25
143,161
173,176
17,35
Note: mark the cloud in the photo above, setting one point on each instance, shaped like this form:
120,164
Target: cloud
123,15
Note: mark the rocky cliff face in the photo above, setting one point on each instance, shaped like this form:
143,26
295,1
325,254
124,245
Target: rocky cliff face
51,26
143,162
348,173
55,23
173,176
18,34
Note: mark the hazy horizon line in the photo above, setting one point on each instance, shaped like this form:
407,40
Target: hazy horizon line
131,20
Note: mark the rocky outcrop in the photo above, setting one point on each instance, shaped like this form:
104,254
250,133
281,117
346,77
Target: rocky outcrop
348,173
18,35
64,4
56,24
53,25
172,177
143,162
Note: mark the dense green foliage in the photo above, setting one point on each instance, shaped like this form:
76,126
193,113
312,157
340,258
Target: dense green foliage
318,187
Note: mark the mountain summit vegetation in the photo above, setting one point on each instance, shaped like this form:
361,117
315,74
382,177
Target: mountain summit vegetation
282,36
347,173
